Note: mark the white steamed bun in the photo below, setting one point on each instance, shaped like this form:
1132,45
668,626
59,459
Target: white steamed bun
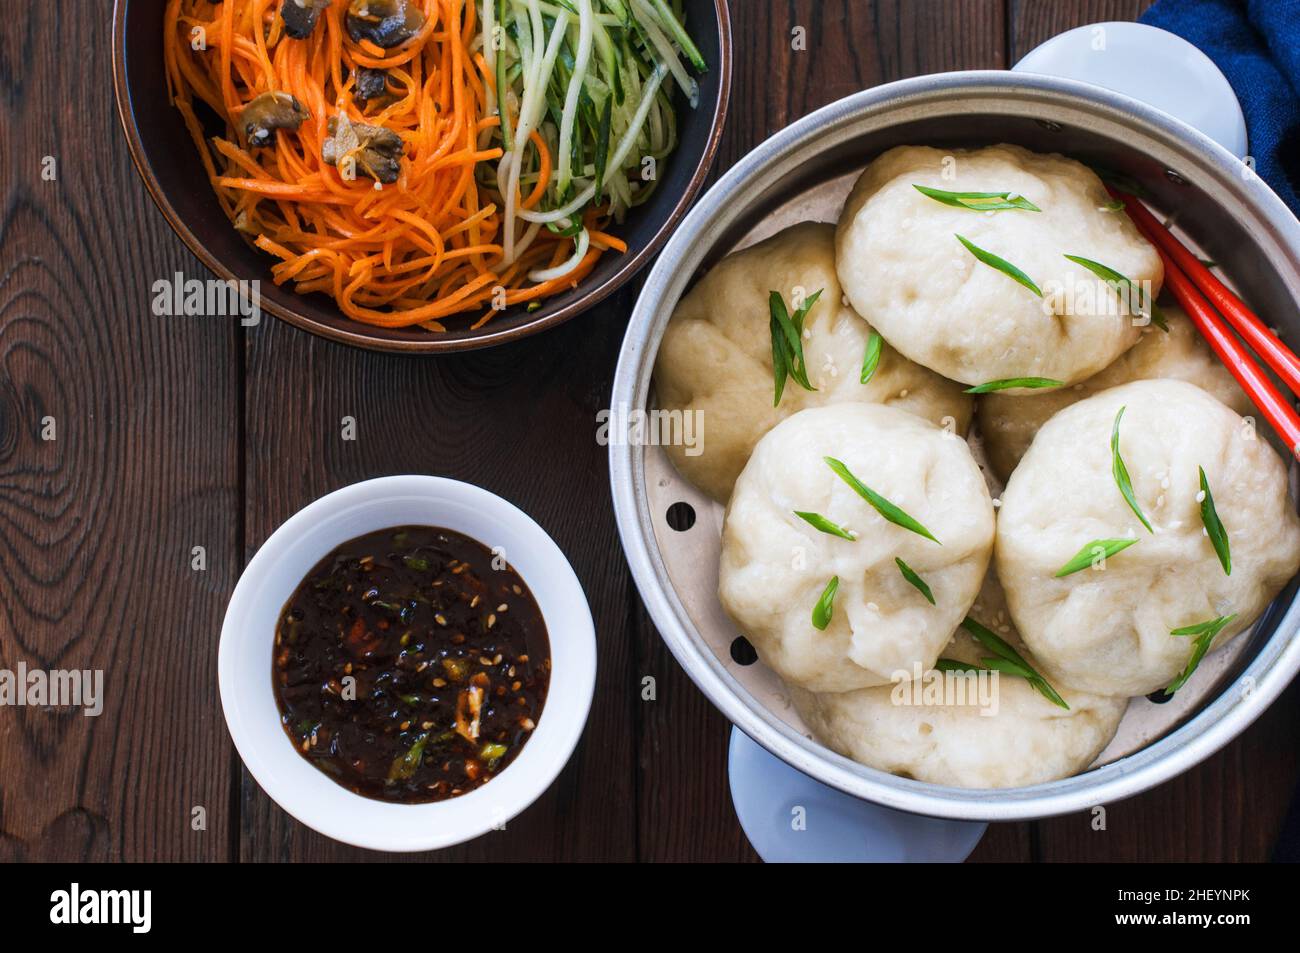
905,271
1107,629
1008,422
1010,736
775,565
716,356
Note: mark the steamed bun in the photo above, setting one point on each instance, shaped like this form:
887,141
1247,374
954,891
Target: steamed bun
1107,630
775,565
1008,422
1011,736
716,356
905,271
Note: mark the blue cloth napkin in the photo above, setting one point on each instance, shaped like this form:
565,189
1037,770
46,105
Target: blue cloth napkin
1257,45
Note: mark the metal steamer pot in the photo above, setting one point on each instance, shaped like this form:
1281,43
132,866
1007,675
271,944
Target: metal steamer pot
803,172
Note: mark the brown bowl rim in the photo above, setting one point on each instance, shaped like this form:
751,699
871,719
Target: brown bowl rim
628,268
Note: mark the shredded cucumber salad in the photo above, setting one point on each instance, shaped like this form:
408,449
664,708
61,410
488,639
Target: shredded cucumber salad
593,79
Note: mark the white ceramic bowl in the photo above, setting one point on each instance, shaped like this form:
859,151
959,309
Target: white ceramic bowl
244,661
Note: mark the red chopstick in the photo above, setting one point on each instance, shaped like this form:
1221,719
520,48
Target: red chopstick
1276,408
1276,355
1272,404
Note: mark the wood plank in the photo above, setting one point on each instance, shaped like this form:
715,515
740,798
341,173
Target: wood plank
685,805
148,438
1032,22
849,45
1230,807
98,524
1004,844
519,420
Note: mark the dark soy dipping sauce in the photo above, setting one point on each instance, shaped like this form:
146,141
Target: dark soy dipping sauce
407,668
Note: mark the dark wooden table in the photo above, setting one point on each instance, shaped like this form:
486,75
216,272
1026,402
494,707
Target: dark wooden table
181,432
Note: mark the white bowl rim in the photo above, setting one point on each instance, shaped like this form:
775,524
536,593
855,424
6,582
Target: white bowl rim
310,795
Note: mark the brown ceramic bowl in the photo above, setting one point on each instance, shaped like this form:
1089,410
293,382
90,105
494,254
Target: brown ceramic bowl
171,169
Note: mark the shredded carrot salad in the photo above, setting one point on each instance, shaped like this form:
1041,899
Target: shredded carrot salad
413,252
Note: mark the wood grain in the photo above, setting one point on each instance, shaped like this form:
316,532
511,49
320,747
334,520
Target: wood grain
1032,22
97,525
519,420
848,45
1229,808
176,432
